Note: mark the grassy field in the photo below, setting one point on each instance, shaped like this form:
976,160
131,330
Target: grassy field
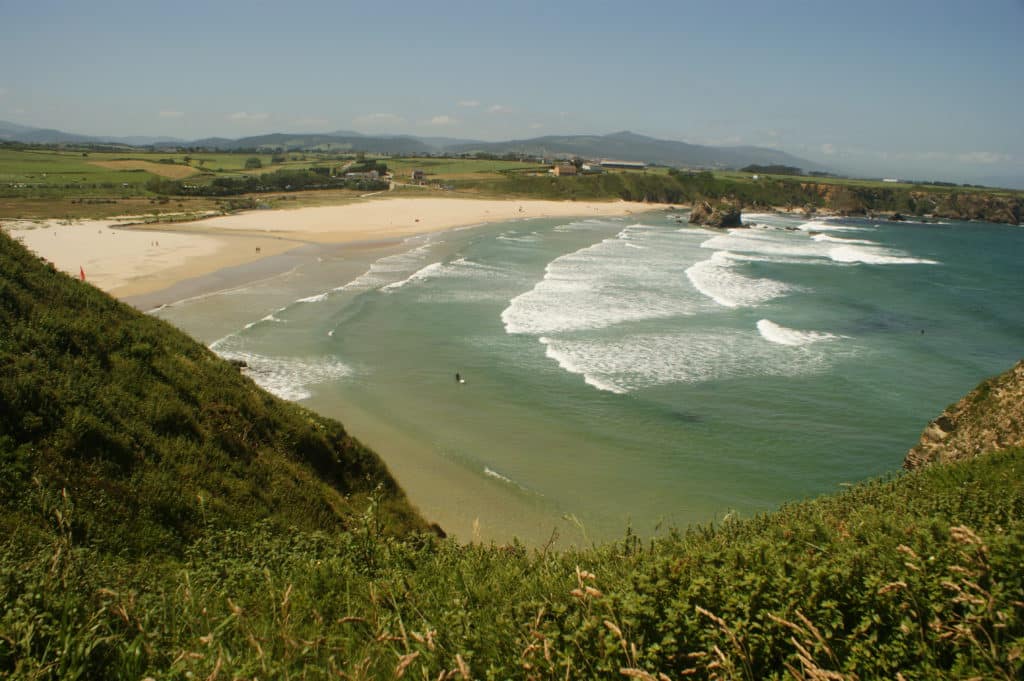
41,183
456,168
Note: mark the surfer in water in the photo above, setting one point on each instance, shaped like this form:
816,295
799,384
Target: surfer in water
458,377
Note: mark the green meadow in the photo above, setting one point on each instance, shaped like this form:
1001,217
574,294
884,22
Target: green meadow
64,183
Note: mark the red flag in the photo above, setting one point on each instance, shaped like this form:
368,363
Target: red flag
81,273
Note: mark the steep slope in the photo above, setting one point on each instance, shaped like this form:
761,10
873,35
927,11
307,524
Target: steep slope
155,439
990,417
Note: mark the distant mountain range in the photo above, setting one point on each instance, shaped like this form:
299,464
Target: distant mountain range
625,146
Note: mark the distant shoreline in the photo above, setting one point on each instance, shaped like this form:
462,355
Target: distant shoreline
157,264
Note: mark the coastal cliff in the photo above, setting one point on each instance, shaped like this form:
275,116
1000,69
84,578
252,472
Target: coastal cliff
944,203
989,418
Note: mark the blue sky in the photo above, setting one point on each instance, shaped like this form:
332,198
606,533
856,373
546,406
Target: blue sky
886,88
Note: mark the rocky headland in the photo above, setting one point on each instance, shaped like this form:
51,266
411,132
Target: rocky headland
721,216
949,204
989,418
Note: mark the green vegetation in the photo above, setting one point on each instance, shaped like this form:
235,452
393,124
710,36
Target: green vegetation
795,193
155,438
773,170
277,181
162,517
49,182
444,169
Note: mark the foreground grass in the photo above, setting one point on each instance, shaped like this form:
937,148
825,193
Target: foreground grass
917,576
156,438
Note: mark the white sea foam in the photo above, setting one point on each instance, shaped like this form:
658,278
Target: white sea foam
842,240
388,269
577,363
318,298
421,274
271,318
781,335
770,245
641,361
718,279
288,378
608,283
819,226
876,256
495,474
795,247
585,225
518,238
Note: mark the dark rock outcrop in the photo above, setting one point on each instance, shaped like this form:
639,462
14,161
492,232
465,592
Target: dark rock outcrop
990,417
723,215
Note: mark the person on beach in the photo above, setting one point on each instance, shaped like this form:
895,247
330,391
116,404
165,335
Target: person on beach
458,377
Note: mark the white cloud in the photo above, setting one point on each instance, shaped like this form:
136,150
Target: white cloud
378,119
828,149
983,157
246,116
729,141
498,108
443,120
311,122
469,102
171,114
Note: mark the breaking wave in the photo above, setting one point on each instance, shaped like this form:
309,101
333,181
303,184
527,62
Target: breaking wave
781,335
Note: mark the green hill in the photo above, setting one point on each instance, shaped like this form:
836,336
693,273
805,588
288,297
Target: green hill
154,437
163,518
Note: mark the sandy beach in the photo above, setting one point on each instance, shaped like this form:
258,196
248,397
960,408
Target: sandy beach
132,260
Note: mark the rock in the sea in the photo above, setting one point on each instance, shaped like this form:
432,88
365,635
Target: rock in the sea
723,215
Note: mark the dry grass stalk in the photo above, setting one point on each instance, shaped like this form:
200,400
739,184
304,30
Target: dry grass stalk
403,663
724,661
463,667
810,637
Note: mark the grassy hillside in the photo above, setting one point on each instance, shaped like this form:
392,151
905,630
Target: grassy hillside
161,517
155,438
919,576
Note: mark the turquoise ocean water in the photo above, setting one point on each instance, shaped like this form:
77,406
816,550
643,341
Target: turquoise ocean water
633,372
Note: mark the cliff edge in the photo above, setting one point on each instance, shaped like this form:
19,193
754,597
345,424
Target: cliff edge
988,418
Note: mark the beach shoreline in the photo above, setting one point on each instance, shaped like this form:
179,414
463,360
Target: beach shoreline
155,264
